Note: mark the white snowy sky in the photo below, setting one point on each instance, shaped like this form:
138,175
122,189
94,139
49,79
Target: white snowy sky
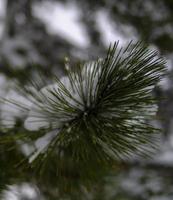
64,19
107,30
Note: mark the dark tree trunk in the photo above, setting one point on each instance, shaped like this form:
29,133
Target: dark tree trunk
18,15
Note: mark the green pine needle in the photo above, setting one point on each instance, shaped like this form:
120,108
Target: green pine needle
99,113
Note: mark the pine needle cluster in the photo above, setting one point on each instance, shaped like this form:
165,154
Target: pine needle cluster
98,113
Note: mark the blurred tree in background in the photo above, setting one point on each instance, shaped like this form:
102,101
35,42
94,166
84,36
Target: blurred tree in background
29,44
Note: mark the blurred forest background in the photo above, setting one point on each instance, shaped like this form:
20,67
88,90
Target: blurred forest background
38,35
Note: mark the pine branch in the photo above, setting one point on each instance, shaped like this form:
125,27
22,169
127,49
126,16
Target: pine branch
99,113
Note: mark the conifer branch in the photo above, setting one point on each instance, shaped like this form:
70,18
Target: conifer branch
99,113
